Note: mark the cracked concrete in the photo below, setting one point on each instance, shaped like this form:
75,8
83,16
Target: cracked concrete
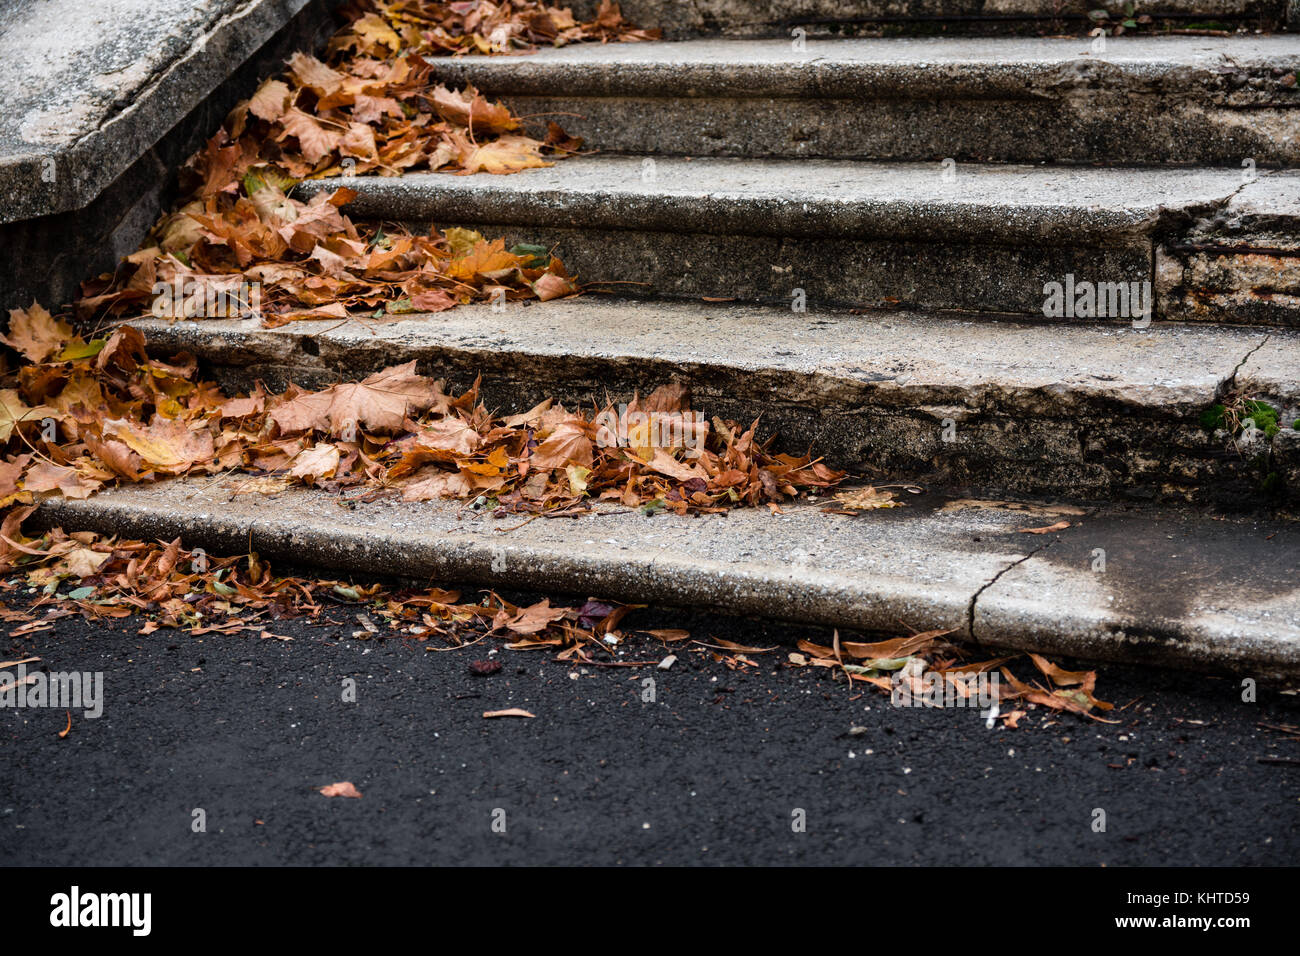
971,631
1222,596
1153,584
1085,409
1239,262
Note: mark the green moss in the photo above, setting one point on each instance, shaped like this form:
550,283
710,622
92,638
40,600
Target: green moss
1213,417
1247,413
1263,415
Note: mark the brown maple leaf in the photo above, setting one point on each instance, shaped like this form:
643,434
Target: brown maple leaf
380,403
165,444
343,788
35,333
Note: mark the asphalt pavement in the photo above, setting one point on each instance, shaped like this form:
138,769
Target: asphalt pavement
210,751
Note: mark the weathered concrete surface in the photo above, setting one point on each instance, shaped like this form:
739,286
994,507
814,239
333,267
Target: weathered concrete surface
920,566
1155,585
851,234
991,203
855,17
1239,264
1083,410
1177,100
48,256
87,86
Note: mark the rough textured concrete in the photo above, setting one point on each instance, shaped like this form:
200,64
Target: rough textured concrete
856,17
88,87
52,254
815,198
1268,373
923,566
846,233
1240,263
1085,410
1178,100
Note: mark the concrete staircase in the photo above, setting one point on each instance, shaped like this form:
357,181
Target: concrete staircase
887,220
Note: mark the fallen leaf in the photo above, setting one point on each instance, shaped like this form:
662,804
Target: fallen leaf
342,789
1059,526
35,333
867,499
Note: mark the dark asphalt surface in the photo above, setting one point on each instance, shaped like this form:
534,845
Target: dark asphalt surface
712,772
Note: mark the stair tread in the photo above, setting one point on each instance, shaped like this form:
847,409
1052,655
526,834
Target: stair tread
1167,367
1178,588
792,197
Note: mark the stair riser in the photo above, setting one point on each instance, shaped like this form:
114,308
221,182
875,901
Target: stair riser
1042,442
1173,132
865,17
830,234
832,273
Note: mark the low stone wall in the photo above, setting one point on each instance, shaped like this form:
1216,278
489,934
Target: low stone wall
48,256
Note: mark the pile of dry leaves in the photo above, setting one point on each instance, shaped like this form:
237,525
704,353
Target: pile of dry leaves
76,414
82,413
373,107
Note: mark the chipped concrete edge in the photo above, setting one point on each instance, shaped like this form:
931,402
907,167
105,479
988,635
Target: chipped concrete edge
797,595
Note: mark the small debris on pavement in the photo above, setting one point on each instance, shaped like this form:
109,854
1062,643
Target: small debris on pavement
343,788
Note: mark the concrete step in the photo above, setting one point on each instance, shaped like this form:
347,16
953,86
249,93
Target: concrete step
929,236
1176,100
1171,588
855,17
1085,410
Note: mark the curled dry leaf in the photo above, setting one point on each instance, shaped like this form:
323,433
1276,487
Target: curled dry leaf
1047,529
342,789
